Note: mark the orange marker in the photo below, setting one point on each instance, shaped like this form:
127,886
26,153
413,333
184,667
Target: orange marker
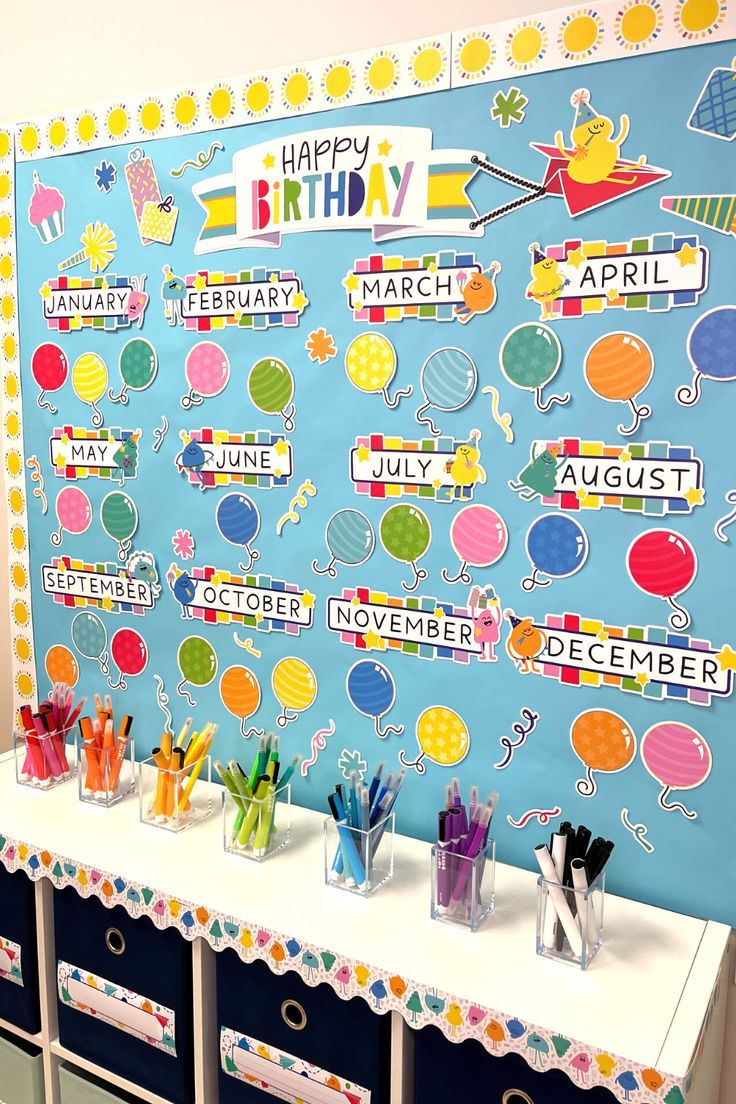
118,755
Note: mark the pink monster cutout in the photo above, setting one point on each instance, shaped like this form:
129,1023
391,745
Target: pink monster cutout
486,622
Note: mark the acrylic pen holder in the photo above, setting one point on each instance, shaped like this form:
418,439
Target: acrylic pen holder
570,921
256,828
463,889
359,861
105,775
43,761
174,799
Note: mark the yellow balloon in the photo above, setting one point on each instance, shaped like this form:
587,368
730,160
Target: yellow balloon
89,377
295,686
443,735
370,362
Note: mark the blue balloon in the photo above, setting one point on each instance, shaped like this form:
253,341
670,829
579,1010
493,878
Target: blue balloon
557,546
710,346
350,539
239,521
449,379
371,690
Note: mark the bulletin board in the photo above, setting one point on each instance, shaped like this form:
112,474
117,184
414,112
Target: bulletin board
383,402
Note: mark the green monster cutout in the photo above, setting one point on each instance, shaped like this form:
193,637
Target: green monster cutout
539,476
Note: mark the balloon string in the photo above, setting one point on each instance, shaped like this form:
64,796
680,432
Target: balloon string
286,717
254,555
416,764
426,420
329,570
57,538
184,693
97,418
121,684
419,574
388,730
288,417
44,403
640,413
545,406
121,397
689,395
123,549
680,619
587,786
529,582
462,576
402,394
673,806
102,659
251,731
191,399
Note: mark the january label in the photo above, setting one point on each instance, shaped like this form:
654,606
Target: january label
255,298
219,597
435,468
78,453
218,458
104,303
130,588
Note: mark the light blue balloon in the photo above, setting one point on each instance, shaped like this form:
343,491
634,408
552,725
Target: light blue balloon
89,635
350,540
449,379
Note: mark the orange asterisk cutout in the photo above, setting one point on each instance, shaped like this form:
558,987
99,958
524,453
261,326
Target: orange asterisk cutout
321,346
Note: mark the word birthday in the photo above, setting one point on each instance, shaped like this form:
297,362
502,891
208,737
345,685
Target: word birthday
439,468
251,299
110,587
387,179
77,453
219,597
218,458
386,289
100,303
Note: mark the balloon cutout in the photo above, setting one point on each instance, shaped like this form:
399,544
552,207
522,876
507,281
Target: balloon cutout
241,696
711,347
49,367
89,380
197,663
530,358
557,547
130,655
678,757
61,665
271,389
295,686
663,563
370,363
138,366
479,537
443,737
372,691
350,540
448,380
73,512
119,518
207,371
89,637
406,535
602,742
238,520
618,367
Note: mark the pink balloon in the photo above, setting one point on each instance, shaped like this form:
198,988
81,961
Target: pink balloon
676,755
479,536
207,369
74,510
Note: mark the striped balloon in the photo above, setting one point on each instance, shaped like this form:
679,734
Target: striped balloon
241,696
479,535
662,562
449,379
89,377
295,686
118,515
370,687
676,755
350,537
270,385
618,366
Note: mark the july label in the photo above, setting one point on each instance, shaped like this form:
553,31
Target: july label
105,303
432,468
256,298
220,597
77,453
386,289
218,458
106,586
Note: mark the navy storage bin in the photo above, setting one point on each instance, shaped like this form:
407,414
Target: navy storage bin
133,954
284,1014
443,1069
19,1003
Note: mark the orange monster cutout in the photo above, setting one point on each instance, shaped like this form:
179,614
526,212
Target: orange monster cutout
525,642
479,293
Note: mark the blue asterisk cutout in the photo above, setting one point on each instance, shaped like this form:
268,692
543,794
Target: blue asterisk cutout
105,176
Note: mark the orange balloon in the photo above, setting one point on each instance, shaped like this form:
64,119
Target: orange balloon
603,741
618,366
240,693
61,666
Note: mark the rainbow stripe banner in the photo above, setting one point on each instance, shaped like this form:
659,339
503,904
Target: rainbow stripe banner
253,299
109,587
220,597
392,467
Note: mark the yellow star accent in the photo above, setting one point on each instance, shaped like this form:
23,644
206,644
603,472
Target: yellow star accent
436,483
107,603
726,658
612,294
695,496
65,438
355,600
300,300
358,304
238,315
624,456
281,447
62,566
269,161
603,635
200,282
307,600
351,282
581,494
384,147
576,258
105,284
432,266
216,579
273,278
278,473
45,291
687,254
642,678
364,453
372,640
61,460
439,613
259,618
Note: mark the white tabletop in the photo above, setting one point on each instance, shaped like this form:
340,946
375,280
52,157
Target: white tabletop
634,1001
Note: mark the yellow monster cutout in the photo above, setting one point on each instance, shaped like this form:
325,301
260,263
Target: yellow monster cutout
464,470
547,280
594,149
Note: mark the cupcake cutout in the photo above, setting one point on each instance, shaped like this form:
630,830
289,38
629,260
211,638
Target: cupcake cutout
46,211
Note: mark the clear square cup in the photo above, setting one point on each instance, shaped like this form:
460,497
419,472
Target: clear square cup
105,775
359,861
257,828
570,921
463,888
174,799
43,761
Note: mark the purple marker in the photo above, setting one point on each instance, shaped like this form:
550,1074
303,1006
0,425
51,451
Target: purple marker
443,861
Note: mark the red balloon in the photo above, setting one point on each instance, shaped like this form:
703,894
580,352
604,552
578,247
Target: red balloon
49,366
129,651
662,562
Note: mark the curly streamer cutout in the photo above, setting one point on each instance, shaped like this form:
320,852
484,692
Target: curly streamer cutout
160,434
638,831
318,744
299,500
32,463
720,525
247,644
162,701
522,731
201,161
544,816
184,693
503,420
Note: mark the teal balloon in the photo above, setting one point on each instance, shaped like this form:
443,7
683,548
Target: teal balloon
530,355
138,364
89,635
449,379
119,516
350,537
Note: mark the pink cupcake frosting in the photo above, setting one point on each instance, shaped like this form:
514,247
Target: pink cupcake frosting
45,202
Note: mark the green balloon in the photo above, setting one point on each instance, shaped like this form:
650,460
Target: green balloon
119,516
405,533
270,385
138,364
530,355
197,661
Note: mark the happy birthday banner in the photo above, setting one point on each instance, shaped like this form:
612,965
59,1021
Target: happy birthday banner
385,179
255,298
77,452
104,303
219,458
218,597
105,586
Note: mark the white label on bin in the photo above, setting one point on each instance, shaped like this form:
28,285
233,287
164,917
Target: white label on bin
283,1075
10,967
115,1005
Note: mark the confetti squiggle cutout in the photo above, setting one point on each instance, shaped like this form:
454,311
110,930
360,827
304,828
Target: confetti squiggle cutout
162,701
37,477
247,644
544,816
201,161
318,744
638,831
502,420
300,500
721,524
160,434
520,730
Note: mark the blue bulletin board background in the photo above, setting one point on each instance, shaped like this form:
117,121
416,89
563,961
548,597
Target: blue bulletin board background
693,866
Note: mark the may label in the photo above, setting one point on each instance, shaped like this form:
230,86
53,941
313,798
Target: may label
652,478
77,453
386,289
652,273
438,468
133,588
219,597
106,302
255,298
218,458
